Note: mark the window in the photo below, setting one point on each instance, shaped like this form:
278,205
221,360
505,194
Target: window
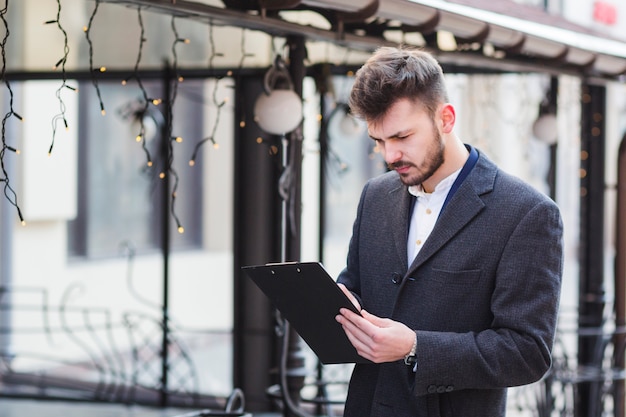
120,198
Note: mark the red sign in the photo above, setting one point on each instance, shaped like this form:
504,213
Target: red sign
604,12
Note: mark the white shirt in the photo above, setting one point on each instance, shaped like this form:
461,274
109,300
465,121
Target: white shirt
425,213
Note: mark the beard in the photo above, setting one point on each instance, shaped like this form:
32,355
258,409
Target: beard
433,160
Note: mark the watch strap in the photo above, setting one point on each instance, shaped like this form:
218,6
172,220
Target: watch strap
410,359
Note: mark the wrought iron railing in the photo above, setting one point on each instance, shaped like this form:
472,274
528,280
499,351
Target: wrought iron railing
113,360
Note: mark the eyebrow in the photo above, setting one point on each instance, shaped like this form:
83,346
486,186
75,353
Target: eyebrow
395,135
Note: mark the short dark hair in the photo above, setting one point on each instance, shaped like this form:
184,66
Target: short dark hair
391,74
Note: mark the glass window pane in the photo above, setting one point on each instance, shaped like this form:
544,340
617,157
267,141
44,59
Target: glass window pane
120,194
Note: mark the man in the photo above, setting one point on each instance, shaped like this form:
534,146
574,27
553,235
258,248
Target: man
456,265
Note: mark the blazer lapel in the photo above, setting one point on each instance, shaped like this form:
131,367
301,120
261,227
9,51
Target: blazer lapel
461,209
400,209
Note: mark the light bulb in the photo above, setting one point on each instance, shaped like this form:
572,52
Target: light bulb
278,112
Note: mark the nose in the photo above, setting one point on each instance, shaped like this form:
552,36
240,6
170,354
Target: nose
391,153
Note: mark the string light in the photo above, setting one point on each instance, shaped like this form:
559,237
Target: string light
244,55
219,105
170,117
61,62
140,114
167,171
9,193
87,30
214,53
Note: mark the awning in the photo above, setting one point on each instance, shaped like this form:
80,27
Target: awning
498,35
529,31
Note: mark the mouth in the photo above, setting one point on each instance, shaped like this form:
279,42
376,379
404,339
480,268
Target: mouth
400,168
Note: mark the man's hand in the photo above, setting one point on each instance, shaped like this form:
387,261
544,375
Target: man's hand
350,296
377,339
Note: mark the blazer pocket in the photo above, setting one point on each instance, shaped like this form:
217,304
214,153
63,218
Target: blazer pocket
465,278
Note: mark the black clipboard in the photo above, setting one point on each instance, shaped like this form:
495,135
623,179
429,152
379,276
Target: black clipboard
308,297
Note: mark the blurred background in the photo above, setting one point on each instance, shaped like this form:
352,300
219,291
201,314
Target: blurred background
140,174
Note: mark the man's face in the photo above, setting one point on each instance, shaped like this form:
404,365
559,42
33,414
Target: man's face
409,140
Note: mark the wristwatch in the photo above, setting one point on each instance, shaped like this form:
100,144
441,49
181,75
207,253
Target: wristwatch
410,359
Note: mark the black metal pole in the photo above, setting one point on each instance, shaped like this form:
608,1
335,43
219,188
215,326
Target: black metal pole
295,357
322,89
591,287
256,240
323,143
165,231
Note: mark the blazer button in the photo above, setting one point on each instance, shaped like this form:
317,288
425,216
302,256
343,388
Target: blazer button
396,278
441,389
432,389
449,388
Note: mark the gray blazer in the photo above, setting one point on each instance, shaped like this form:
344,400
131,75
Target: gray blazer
482,295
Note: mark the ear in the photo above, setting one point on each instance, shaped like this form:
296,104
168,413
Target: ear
448,118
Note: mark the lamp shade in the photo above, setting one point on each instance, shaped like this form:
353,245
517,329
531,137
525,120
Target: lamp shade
343,125
278,112
545,128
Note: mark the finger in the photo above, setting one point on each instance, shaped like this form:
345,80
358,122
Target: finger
355,325
375,320
351,315
358,339
350,296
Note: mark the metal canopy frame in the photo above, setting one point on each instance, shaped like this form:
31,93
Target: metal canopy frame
527,39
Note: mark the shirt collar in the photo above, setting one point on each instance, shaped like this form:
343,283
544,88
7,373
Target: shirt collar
443,186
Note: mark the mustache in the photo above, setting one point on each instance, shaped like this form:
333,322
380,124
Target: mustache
399,164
